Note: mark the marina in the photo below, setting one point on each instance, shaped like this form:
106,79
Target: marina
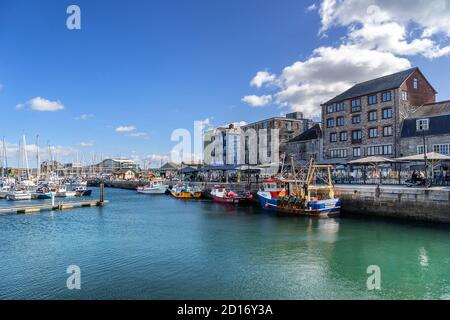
141,247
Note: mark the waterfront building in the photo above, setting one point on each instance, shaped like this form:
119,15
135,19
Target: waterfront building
262,144
169,170
366,119
125,174
429,122
306,146
110,166
222,146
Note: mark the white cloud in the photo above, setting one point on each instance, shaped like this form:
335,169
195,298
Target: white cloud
139,135
381,36
87,144
41,104
257,101
261,78
125,129
85,116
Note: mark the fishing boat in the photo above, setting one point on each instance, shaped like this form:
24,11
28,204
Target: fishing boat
156,186
19,195
42,193
62,192
222,195
304,195
82,192
185,192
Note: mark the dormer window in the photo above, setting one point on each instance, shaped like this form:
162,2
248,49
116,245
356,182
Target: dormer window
422,125
416,84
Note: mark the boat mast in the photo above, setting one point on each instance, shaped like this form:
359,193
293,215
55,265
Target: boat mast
26,157
38,159
4,159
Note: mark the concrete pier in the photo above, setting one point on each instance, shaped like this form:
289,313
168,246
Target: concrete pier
52,207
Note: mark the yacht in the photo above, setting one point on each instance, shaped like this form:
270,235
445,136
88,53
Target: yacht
154,187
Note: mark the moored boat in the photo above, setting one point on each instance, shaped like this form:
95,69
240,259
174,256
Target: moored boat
19,195
62,192
185,192
83,192
156,186
305,197
222,195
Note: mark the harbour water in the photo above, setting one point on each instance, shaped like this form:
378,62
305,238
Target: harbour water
158,247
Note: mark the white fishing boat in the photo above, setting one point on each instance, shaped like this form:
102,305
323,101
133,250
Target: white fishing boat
19,195
154,187
62,192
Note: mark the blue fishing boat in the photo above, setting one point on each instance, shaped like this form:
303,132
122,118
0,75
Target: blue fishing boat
304,196
83,192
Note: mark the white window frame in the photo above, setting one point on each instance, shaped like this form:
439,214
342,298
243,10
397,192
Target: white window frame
420,149
404,95
422,125
439,148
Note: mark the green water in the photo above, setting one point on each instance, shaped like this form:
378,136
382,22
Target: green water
158,247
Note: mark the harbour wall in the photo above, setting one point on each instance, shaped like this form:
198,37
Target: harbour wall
428,205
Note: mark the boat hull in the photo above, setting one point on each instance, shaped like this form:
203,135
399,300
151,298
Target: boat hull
156,190
19,197
84,193
233,201
42,196
319,208
186,195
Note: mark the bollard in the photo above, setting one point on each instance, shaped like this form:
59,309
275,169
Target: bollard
102,193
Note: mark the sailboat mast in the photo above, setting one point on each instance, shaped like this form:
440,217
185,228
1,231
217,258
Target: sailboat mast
26,157
4,164
38,159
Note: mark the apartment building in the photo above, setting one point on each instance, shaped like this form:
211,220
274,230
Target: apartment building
366,119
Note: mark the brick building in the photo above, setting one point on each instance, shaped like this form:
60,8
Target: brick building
366,119
306,146
288,127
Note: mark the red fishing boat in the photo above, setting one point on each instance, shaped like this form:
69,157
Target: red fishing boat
222,195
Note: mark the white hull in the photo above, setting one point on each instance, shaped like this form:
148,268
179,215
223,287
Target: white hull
66,194
154,190
19,196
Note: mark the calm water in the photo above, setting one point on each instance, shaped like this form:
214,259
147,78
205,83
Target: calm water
157,247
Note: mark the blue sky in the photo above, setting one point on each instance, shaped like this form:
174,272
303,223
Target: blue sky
155,66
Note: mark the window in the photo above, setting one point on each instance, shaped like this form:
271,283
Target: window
356,136
330,123
340,107
416,84
340,121
420,149
387,150
357,152
388,131
405,95
373,115
356,119
338,153
386,96
442,148
373,151
356,105
387,113
333,137
330,108
422,125
343,136
372,99
373,133
379,150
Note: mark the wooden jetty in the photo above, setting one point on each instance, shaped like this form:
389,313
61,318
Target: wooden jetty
60,206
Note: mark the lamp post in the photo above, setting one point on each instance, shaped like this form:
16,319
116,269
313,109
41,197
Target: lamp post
425,153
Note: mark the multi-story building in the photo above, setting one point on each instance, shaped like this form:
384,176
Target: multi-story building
262,143
430,123
109,166
366,119
222,146
306,146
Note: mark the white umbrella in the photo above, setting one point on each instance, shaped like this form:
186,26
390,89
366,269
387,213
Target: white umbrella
432,156
372,160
